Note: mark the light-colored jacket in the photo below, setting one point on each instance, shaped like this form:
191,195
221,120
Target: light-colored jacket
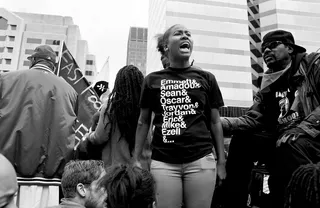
115,146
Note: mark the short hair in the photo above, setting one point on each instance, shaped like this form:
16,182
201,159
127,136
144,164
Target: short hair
304,187
79,171
128,187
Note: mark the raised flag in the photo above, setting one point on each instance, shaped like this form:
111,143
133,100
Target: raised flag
89,101
101,87
101,81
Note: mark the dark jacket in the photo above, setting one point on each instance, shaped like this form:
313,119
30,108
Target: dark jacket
263,114
38,111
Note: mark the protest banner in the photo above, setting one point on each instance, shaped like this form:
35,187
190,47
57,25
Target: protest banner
89,101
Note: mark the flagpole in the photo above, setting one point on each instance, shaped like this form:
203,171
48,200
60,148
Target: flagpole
101,72
60,55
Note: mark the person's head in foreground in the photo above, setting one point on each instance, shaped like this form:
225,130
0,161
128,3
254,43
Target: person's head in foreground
129,187
80,183
43,54
8,183
176,45
303,190
278,48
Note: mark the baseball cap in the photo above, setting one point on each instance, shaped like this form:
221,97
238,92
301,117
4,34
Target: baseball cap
283,36
45,52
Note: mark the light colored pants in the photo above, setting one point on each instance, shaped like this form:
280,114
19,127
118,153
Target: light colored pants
33,196
190,183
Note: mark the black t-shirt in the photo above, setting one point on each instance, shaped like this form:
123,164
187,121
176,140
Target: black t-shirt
291,112
181,100
290,106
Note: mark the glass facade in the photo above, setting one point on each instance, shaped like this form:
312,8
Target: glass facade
227,36
221,44
137,48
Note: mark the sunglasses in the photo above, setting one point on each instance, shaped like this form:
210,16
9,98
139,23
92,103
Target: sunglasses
270,45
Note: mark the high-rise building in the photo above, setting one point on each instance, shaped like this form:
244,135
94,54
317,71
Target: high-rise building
137,48
90,68
220,32
227,36
301,17
21,33
297,16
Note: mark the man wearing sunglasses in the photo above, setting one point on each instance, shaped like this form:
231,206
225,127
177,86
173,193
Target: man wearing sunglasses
282,127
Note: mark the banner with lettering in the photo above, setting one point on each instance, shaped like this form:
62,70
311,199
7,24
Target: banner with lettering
89,101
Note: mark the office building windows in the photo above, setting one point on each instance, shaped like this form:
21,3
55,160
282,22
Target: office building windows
28,51
11,38
140,34
145,34
53,42
0,60
10,49
2,38
1,49
133,33
89,62
3,23
13,27
26,63
88,73
8,61
34,40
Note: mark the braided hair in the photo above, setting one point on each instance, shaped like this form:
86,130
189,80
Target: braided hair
128,187
123,102
304,187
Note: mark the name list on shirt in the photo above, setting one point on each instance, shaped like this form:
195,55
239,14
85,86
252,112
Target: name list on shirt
176,104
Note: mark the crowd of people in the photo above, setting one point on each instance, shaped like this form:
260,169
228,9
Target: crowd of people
172,112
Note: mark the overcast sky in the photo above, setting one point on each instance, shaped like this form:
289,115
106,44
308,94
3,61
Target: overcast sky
103,23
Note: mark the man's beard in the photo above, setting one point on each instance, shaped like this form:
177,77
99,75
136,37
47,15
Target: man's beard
274,65
90,203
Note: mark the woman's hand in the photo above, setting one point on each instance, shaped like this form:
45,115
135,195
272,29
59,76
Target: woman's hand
101,133
221,171
95,120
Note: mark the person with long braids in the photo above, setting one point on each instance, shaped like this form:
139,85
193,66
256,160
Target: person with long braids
185,102
118,118
304,187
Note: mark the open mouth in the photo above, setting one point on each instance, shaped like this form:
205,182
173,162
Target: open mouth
185,47
268,58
